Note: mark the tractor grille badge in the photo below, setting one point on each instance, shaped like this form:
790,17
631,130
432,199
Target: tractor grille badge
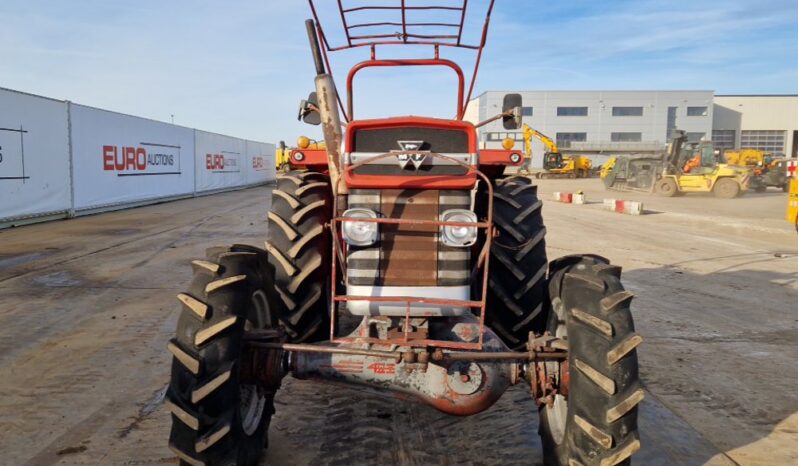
409,156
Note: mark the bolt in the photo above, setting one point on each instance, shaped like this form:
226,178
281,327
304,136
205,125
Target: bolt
464,378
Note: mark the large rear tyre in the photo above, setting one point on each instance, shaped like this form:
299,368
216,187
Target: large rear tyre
517,281
217,416
299,249
595,422
726,188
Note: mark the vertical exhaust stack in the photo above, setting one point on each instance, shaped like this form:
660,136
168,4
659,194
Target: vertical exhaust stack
328,109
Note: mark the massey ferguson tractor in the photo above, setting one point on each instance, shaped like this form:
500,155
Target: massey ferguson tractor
401,258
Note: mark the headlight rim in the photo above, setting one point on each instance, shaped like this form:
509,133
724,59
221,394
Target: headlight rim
446,235
364,213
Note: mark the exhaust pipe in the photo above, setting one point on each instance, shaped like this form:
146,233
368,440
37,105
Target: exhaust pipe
328,109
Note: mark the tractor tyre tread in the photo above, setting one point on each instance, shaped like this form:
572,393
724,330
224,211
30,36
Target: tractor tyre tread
517,282
299,249
203,393
605,388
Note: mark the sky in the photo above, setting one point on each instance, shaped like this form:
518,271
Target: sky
240,67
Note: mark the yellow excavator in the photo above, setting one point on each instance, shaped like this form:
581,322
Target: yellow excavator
556,165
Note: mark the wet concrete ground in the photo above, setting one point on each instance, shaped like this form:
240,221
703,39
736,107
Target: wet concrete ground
87,305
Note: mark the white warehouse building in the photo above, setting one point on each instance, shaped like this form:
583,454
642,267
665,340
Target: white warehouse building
603,123
766,122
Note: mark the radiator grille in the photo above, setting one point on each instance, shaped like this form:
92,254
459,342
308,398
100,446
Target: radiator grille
409,255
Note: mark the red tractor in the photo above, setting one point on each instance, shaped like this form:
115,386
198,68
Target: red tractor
404,259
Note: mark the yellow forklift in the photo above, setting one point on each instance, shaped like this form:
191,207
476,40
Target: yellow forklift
685,168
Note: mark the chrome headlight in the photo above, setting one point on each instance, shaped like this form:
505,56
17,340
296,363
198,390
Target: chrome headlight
459,236
359,233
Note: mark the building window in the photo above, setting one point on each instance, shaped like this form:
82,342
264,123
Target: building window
697,111
627,111
695,137
515,136
626,137
723,139
571,111
565,139
764,140
526,111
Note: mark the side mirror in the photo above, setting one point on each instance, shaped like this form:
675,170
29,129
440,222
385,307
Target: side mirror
309,110
511,110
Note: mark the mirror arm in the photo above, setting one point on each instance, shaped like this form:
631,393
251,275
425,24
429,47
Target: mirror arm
508,113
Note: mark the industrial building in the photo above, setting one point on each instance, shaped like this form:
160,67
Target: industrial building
602,123
765,122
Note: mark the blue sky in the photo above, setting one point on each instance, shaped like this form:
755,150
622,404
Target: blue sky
241,67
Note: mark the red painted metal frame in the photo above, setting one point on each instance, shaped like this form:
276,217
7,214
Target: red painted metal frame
411,182
339,252
405,37
499,157
395,122
411,62
314,157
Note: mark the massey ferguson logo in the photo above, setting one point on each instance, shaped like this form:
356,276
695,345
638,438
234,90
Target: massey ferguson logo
409,154
143,159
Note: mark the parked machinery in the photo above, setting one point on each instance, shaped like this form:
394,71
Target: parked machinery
307,153
792,202
555,164
685,168
767,170
412,231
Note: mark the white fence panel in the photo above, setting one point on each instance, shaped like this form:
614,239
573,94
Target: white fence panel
261,156
220,160
120,159
34,156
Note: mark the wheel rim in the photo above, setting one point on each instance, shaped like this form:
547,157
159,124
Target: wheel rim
252,403
557,412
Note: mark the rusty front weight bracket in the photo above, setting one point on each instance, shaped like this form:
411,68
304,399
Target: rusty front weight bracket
544,381
264,367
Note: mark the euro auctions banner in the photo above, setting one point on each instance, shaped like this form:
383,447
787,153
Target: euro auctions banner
34,155
261,162
122,159
221,161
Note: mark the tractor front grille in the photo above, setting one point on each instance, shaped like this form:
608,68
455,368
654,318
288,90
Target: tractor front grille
409,255
371,142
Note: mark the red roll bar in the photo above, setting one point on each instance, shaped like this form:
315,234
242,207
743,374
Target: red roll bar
385,32
413,62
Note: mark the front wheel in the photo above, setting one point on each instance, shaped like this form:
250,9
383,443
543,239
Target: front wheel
666,187
591,419
219,414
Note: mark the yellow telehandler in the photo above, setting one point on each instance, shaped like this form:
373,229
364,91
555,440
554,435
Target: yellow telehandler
767,170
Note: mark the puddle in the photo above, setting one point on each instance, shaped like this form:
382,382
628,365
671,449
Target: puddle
56,280
15,260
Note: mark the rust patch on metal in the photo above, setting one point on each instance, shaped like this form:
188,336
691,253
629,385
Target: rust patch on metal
410,251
